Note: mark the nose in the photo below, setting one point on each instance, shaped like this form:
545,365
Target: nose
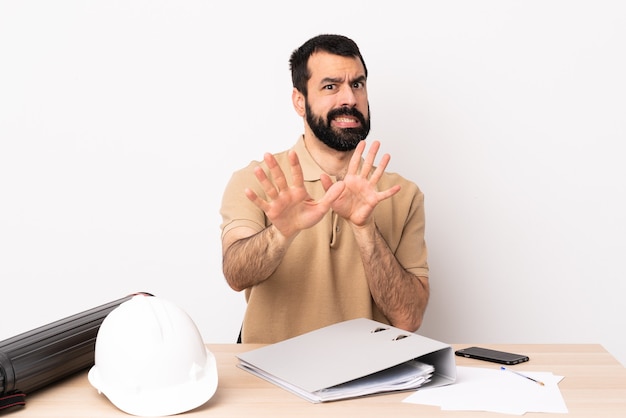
347,97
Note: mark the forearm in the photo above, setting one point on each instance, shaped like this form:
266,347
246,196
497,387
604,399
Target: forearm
400,295
251,260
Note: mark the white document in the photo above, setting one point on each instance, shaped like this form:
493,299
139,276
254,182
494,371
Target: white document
350,359
406,376
495,390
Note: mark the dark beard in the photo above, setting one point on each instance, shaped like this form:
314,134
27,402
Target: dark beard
342,139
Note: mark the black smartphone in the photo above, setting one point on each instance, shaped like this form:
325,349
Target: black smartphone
494,356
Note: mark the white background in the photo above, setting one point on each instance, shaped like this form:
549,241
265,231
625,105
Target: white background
121,122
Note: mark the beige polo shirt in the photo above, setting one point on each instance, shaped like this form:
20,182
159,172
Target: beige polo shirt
321,279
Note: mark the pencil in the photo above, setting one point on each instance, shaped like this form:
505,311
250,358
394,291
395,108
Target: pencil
523,375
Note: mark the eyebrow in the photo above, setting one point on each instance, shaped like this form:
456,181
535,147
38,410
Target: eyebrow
326,80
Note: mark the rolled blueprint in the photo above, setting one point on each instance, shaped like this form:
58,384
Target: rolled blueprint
44,355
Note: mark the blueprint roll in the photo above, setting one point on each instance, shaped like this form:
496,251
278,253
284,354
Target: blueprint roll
44,355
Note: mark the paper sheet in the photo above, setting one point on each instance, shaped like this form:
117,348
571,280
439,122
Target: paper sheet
495,390
405,376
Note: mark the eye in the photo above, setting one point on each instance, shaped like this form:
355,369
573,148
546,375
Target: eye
358,85
329,87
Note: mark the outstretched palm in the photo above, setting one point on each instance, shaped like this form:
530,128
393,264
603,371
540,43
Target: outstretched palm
360,195
290,208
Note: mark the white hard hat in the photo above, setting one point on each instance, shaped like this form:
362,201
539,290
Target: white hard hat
150,359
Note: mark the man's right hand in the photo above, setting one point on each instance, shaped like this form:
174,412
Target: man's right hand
290,208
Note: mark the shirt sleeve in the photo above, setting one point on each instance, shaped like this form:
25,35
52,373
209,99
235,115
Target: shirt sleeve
237,210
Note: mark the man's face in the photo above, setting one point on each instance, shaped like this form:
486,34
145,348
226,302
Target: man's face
336,107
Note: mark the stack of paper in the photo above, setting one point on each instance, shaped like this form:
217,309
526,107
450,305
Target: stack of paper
405,376
496,390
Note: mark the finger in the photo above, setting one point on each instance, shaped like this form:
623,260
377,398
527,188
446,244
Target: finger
277,173
385,194
380,169
327,182
368,163
266,184
296,169
332,194
254,198
355,161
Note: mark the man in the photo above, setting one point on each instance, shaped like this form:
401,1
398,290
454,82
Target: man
319,234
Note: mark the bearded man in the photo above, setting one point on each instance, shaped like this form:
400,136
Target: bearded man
319,234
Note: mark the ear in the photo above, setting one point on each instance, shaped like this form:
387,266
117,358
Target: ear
298,101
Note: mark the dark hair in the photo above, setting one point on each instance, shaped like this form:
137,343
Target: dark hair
334,44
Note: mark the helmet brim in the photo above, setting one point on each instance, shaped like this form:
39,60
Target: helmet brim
163,401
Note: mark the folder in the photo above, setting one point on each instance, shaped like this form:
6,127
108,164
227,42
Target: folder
350,359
